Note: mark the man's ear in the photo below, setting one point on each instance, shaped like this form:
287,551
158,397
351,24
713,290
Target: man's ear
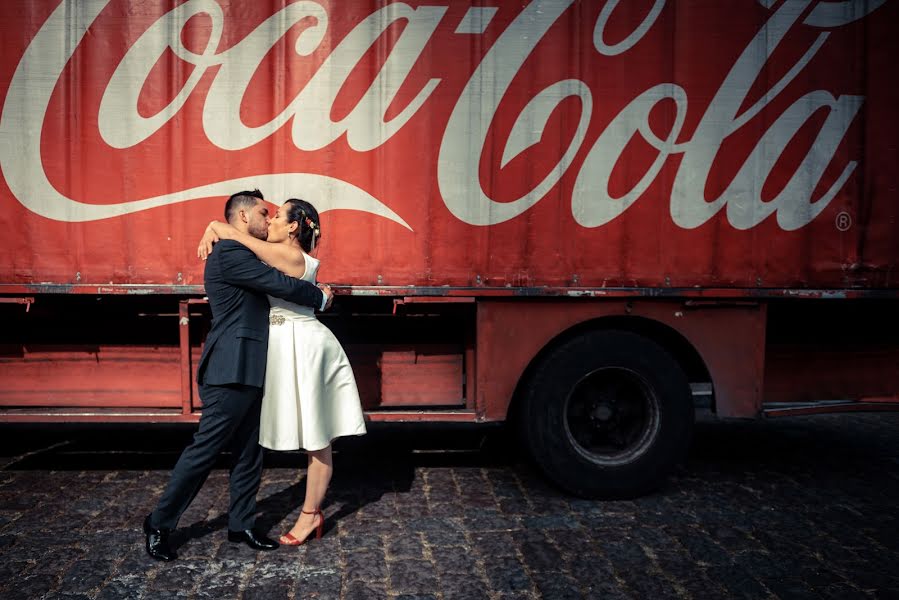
243,215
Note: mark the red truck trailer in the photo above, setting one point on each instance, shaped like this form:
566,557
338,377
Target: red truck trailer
589,217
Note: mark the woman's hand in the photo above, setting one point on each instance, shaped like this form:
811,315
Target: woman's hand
209,238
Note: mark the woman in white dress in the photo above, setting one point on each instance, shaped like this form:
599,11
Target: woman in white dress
310,395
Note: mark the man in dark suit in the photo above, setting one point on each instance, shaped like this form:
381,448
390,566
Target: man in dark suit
230,377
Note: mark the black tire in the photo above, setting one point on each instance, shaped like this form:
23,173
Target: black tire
607,414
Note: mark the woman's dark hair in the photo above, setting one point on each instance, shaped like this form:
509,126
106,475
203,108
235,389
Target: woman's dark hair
309,231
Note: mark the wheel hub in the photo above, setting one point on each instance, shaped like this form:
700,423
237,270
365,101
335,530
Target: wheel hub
602,412
611,416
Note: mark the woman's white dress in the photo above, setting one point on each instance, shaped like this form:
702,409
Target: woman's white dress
310,394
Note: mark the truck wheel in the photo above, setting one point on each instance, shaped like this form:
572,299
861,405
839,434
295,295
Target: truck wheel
607,415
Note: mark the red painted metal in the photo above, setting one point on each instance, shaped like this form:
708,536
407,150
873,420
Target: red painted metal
468,294
458,238
881,399
26,301
420,416
108,376
821,409
106,194
511,334
55,415
810,372
421,378
158,416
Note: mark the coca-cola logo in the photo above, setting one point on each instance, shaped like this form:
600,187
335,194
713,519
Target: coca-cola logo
369,125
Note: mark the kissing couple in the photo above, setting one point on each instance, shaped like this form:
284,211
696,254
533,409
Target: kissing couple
271,375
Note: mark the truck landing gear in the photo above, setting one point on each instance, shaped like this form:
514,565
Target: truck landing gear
607,415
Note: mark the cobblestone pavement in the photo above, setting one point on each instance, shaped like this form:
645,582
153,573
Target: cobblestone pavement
797,508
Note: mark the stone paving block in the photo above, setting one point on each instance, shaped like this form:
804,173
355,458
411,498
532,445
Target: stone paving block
791,587
493,543
350,541
431,524
590,568
701,546
648,584
377,526
737,582
320,582
361,590
385,508
13,568
765,566
489,521
33,584
788,519
405,546
699,586
86,575
131,588
557,586
507,575
514,505
625,554
366,565
454,560
606,589
541,556
266,590
447,509
463,588
866,578
412,576
179,575
444,538
550,521
318,554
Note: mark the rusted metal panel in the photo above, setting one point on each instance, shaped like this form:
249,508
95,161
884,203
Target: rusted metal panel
568,145
95,415
421,378
109,376
98,415
465,295
823,408
424,416
807,372
511,335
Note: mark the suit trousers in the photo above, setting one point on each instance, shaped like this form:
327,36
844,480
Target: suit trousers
230,417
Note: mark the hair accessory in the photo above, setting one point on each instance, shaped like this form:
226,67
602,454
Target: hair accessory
316,230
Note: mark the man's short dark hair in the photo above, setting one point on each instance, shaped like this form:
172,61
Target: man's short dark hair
245,199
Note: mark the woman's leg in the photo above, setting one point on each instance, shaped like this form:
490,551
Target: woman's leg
318,476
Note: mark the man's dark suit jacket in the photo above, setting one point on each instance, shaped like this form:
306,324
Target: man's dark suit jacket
237,283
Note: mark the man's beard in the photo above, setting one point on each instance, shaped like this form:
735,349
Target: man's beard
259,233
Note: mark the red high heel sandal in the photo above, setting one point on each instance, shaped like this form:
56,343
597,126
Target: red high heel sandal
288,538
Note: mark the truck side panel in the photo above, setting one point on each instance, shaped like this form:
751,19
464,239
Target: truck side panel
581,144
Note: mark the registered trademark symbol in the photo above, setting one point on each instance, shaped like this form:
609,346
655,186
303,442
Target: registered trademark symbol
844,221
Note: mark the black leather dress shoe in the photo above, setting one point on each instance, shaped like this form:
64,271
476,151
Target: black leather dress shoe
253,539
158,542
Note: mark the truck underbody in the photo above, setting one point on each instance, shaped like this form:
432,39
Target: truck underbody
603,378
